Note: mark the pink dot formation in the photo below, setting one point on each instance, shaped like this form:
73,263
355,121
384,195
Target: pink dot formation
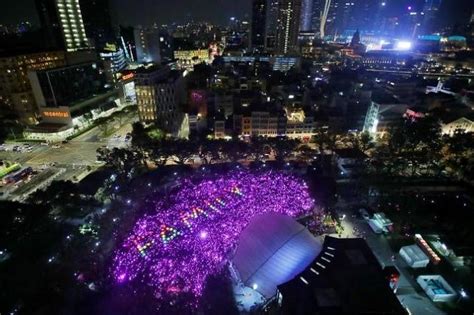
190,235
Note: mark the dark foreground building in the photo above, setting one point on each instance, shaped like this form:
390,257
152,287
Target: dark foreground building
345,278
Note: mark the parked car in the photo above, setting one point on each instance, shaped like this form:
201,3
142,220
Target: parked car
364,213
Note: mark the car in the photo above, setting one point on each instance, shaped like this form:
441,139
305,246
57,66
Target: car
65,141
364,213
44,143
56,146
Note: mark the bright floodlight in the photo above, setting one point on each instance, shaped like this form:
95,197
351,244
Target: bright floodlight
463,294
403,45
190,234
255,286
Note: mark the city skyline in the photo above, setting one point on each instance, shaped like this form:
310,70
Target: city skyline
211,157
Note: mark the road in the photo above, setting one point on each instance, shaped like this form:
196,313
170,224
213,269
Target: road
78,157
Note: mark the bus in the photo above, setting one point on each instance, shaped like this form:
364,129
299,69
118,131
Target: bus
20,175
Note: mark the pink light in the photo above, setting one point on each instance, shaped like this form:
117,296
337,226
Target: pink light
173,255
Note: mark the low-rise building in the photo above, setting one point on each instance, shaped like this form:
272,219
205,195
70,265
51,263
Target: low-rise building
464,124
187,59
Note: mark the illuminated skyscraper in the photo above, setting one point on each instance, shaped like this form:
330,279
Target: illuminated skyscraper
98,22
306,15
430,12
259,17
289,12
62,21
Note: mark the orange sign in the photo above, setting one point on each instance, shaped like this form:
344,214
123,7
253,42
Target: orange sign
128,76
56,114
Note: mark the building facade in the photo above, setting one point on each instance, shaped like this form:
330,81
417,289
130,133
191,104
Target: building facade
187,59
62,21
160,96
98,22
289,12
259,21
15,88
147,45
68,85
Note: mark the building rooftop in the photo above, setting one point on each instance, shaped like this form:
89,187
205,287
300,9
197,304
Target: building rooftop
345,278
271,250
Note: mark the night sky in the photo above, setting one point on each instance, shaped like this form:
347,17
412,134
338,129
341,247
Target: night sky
134,12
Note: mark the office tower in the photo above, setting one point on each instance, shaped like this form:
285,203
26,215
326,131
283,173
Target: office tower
160,96
346,16
272,16
98,22
317,8
430,11
289,12
306,15
63,24
147,45
49,21
259,16
380,20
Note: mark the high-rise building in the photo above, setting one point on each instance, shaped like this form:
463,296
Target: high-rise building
15,88
346,16
147,45
98,22
259,17
289,12
272,22
160,95
430,11
113,60
306,15
62,22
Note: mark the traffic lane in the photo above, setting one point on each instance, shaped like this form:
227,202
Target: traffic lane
79,153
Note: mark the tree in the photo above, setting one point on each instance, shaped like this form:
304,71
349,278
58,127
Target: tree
124,161
411,146
63,196
141,141
258,148
283,147
210,150
235,150
306,152
364,141
182,150
160,151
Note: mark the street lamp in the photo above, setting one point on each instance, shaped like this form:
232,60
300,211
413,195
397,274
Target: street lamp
462,295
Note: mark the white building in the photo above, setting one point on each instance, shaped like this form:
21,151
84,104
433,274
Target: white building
464,124
437,289
414,256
